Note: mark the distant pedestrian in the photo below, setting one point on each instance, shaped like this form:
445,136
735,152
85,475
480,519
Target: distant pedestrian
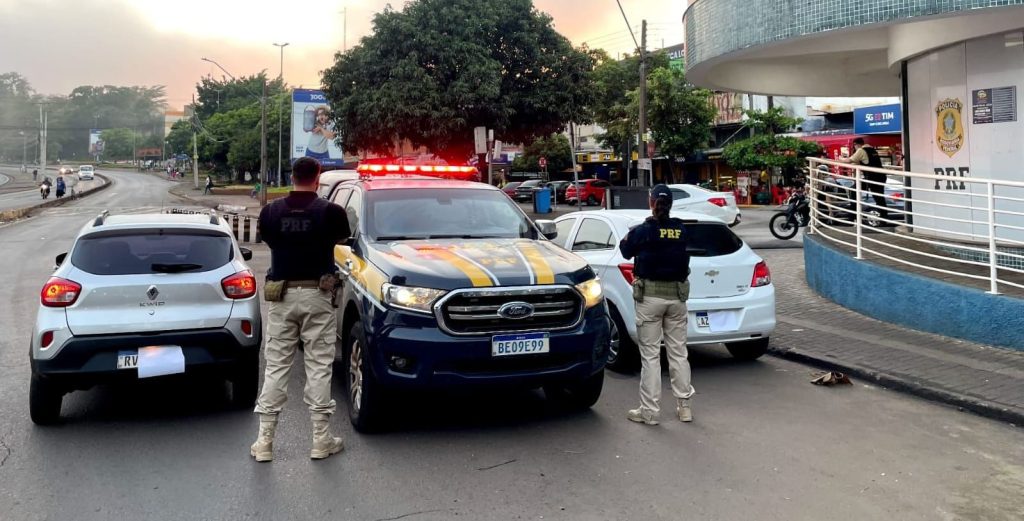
35,175
209,186
256,188
660,292
61,187
302,231
866,155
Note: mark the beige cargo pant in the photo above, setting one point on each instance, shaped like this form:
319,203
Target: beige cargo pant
656,318
305,314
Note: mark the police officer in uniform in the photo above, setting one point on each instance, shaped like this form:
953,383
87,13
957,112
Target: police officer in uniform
659,293
301,230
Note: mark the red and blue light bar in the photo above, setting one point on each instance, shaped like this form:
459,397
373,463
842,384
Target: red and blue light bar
447,171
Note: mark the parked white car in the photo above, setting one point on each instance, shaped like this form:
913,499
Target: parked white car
732,299
692,198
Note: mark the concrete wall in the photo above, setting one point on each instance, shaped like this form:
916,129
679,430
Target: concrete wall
911,300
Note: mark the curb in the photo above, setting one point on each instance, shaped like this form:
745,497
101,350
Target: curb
20,213
213,204
978,406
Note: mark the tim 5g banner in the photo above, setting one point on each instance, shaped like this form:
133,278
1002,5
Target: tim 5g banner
313,135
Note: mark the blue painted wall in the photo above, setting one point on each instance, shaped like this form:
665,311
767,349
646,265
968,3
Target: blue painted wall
913,301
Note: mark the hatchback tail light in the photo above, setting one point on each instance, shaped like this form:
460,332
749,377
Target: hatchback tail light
240,285
627,272
59,293
718,201
762,276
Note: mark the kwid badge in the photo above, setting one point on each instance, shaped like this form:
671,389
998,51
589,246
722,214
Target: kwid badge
949,128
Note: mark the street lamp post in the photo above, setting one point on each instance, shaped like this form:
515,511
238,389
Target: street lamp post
280,117
24,142
263,131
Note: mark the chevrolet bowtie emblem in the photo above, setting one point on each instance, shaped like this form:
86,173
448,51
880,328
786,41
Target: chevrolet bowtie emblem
712,273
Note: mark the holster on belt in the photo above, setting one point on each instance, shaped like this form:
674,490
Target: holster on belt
274,290
330,283
638,290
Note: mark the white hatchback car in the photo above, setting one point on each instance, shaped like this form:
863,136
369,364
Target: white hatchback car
732,299
692,198
85,172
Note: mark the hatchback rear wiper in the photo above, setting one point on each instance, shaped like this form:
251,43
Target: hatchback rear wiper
174,268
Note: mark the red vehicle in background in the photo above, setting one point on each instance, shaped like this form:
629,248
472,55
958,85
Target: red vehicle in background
588,191
510,189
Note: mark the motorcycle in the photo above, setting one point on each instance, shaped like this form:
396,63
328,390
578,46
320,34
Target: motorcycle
44,190
785,224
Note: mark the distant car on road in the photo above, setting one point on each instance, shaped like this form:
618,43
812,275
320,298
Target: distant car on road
142,296
524,192
692,198
85,172
732,299
589,191
559,187
510,188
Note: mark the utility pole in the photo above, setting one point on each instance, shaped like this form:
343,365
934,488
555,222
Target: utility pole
43,116
641,141
195,146
344,30
263,145
280,117
24,142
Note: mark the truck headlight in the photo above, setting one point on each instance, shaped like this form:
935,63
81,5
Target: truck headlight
418,300
591,291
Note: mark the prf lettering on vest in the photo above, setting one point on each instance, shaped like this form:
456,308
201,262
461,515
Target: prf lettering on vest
294,224
670,234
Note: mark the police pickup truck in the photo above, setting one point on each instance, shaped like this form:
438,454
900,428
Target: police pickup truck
448,284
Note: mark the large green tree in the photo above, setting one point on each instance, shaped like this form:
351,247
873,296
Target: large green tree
439,68
766,149
555,148
616,96
679,115
117,143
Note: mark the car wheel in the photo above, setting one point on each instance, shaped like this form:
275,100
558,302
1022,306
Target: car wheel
873,218
44,401
622,353
365,405
578,395
748,349
245,383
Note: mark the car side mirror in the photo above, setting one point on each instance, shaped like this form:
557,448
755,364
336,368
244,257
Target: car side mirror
246,253
60,260
548,229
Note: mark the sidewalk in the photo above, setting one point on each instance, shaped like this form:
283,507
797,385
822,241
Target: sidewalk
811,329
186,190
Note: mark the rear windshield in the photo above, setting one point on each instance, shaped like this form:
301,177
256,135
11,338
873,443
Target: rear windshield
529,183
711,240
157,251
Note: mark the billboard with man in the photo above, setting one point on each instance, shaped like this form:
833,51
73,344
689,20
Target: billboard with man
313,134
95,143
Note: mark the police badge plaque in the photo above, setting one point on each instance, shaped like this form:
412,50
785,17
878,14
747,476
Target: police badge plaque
949,128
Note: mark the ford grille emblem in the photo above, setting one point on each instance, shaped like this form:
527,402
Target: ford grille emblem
152,293
516,310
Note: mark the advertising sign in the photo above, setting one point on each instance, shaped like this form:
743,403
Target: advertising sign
729,106
313,133
95,143
881,119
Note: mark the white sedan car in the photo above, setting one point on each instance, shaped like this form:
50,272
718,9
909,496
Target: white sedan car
692,198
732,300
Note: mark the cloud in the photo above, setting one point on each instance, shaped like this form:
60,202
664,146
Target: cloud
61,44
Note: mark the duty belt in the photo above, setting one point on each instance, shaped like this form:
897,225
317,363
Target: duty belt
304,284
661,288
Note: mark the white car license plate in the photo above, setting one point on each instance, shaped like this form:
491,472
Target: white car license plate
703,320
153,360
524,344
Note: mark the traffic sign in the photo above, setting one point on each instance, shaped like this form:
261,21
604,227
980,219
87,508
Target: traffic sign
543,162
644,164
650,149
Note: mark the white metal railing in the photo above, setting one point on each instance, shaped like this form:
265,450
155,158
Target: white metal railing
952,224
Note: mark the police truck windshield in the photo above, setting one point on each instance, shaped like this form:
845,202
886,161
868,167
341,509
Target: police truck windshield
394,215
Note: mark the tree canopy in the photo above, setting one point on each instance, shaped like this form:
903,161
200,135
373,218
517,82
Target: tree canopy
555,148
679,115
766,149
616,89
439,68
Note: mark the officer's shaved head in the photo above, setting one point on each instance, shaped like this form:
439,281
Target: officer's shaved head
305,171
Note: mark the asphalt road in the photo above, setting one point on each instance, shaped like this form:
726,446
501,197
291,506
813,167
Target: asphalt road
29,196
765,444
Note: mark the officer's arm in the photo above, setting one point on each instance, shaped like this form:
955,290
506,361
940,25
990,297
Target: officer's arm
268,232
337,220
631,243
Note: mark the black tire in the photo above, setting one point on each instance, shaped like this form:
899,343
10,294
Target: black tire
578,395
591,200
44,401
365,397
245,383
623,354
781,228
748,349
